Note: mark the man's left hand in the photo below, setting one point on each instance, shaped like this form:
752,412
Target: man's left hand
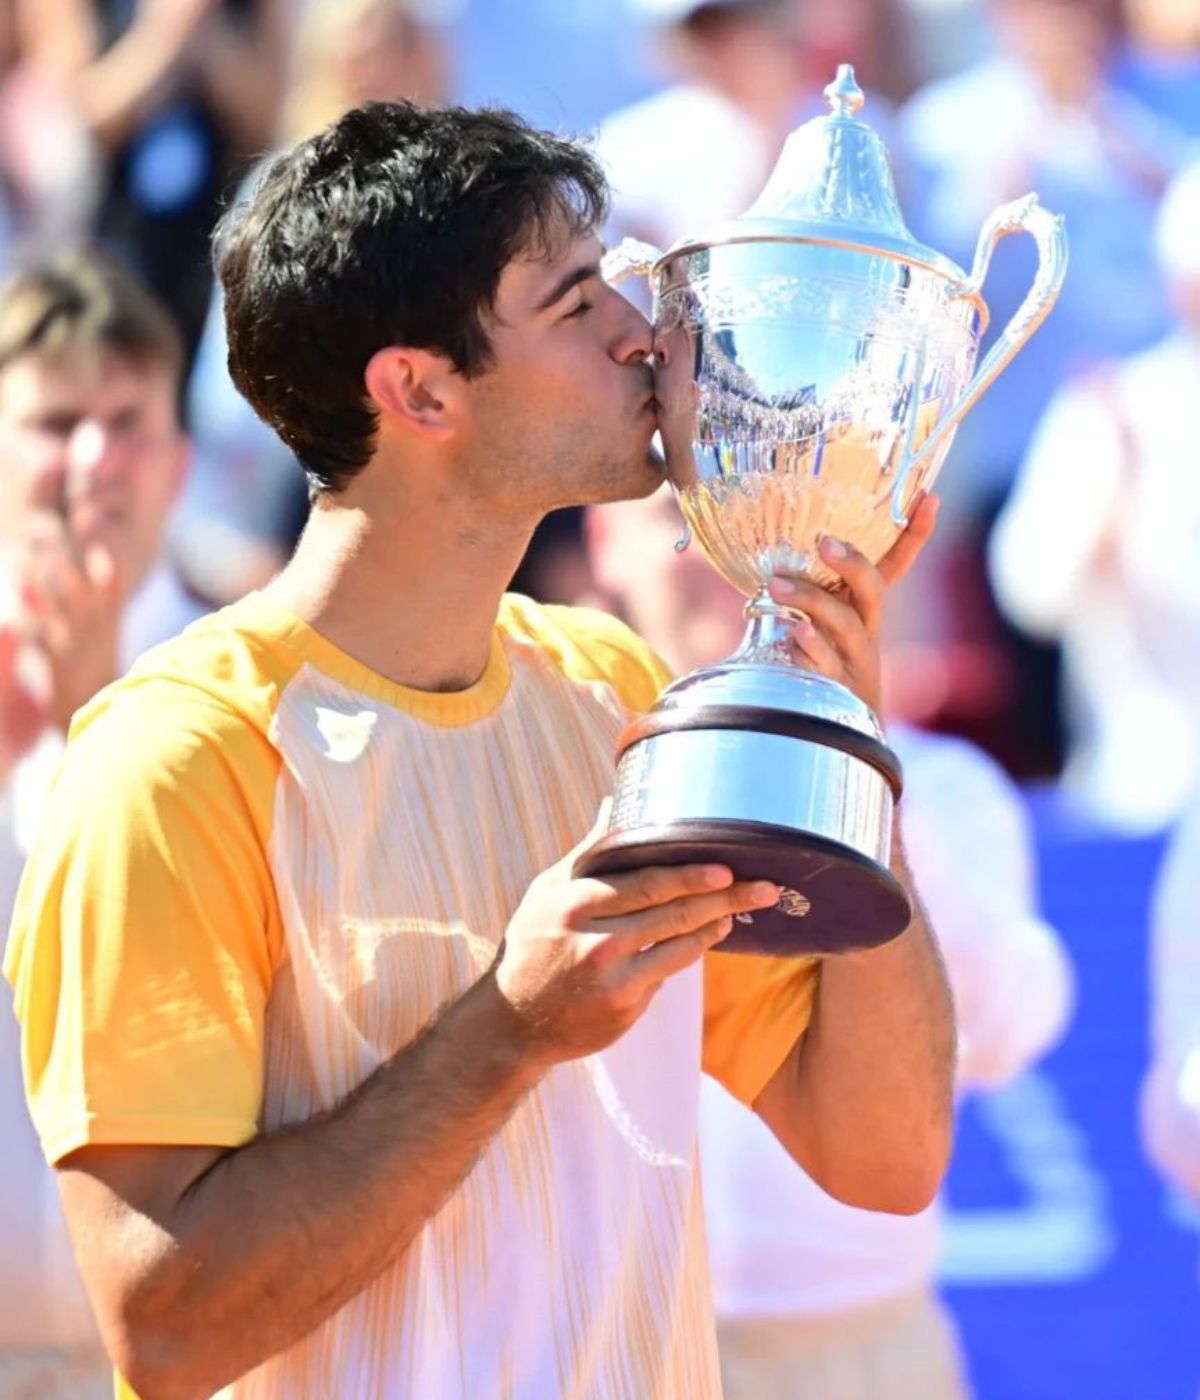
839,632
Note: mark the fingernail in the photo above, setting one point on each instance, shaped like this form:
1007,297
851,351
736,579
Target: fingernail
779,584
804,628
763,892
724,927
718,876
833,549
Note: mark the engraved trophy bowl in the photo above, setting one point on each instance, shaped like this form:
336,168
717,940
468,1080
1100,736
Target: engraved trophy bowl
812,361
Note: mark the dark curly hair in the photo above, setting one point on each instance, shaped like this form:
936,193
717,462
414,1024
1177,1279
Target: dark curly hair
391,227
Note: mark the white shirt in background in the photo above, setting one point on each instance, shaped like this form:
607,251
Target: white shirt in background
681,161
1099,547
780,1245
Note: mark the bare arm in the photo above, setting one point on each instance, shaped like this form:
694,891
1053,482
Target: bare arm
243,68
202,1263
111,91
865,1100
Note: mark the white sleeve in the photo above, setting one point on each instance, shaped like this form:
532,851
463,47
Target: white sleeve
1171,1091
1041,552
971,851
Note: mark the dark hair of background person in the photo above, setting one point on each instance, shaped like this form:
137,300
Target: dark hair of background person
86,301
391,227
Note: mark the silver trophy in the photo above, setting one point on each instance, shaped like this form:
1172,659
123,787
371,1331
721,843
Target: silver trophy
812,363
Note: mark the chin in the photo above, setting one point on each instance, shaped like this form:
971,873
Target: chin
642,478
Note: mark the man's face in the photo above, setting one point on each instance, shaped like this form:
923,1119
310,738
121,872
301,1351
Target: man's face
566,414
94,439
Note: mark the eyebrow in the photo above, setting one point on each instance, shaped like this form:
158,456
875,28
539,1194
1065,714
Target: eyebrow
566,282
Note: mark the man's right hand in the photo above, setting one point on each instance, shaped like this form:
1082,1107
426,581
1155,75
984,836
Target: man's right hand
582,958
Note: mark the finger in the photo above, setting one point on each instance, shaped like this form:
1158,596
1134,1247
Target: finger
682,917
903,554
614,896
656,964
814,650
833,615
863,581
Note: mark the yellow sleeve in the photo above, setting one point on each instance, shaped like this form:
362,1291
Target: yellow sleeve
146,928
590,644
755,1009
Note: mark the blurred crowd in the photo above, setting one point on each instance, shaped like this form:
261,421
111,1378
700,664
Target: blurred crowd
1051,634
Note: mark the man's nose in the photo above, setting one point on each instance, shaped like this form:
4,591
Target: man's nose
636,342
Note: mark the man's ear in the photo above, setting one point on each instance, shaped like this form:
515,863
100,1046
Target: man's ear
418,389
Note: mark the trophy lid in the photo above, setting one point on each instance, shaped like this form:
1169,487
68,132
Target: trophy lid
832,184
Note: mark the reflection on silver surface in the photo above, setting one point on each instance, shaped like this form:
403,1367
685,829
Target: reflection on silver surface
739,775
788,406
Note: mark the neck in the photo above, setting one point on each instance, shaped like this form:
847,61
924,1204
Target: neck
412,594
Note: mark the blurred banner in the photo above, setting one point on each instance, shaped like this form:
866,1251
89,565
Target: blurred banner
1072,1270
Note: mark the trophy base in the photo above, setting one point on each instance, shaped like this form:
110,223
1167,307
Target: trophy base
835,900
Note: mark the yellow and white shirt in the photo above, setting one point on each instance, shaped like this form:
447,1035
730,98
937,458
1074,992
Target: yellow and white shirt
265,868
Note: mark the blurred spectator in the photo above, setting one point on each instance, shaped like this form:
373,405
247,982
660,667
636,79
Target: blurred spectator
247,500
746,72
174,96
1099,547
92,459
1161,64
816,1299
1042,113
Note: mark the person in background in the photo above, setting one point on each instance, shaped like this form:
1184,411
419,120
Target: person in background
91,459
246,501
746,73
1160,62
1041,113
175,97
1108,503
816,1299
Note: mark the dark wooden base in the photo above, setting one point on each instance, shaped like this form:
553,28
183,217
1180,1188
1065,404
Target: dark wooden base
835,900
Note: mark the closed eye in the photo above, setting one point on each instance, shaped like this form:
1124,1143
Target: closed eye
581,310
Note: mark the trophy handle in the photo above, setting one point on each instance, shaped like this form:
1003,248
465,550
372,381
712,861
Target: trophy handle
1047,230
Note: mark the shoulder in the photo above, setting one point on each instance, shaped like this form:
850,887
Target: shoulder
199,705
587,644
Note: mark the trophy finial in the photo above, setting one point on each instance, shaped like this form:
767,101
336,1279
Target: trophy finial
844,95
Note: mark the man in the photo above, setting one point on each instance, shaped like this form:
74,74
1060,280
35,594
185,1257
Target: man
814,1298
93,458
346,1098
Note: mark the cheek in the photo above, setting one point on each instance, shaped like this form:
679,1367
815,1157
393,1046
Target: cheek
35,470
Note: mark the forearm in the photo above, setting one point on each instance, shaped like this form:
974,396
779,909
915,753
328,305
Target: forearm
276,1236
243,76
865,1102
113,92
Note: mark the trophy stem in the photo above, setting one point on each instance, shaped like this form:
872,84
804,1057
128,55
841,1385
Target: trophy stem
768,633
